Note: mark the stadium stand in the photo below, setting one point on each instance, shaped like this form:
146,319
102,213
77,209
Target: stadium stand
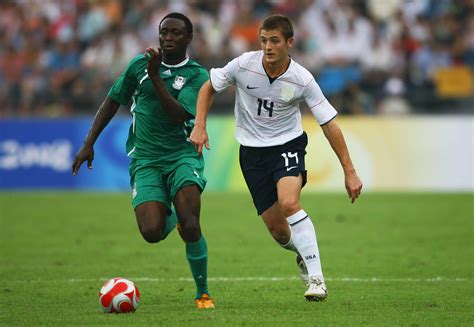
58,58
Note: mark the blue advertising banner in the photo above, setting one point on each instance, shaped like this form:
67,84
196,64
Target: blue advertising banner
39,154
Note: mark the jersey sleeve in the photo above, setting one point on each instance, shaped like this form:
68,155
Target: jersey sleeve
222,78
188,95
322,110
124,87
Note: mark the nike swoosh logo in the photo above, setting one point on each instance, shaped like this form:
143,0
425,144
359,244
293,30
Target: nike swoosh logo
290,168
252,87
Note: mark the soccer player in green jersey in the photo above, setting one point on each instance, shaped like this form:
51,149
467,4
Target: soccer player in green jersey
166,173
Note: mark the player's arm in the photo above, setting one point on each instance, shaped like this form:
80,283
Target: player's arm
174,110
106,111
199,135
336,140
325,113
219,80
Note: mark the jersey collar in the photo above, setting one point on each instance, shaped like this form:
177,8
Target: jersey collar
273,79
181,64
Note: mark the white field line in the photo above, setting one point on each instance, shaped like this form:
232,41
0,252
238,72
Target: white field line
277,279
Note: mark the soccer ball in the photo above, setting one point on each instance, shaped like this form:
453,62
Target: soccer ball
119,295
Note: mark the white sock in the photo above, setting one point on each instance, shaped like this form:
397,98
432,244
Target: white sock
303,237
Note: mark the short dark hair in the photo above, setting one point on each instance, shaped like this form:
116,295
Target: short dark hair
177,15
280,22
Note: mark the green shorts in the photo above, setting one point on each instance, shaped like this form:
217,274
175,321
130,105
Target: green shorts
159,180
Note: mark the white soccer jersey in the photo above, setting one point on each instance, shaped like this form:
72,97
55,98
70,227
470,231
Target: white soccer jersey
269,113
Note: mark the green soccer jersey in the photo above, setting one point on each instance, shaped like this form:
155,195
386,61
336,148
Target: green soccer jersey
152,135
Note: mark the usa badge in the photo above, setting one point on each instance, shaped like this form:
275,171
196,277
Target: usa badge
287,93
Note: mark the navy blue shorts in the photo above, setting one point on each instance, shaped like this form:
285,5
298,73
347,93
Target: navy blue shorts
262,167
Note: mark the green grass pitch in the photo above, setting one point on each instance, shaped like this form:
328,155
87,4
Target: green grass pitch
389,260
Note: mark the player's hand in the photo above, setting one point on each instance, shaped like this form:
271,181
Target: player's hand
353,185
85,153
154,61
199,138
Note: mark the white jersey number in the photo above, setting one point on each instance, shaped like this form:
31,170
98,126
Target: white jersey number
289,156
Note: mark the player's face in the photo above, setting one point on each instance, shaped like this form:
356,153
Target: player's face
174,39
275,47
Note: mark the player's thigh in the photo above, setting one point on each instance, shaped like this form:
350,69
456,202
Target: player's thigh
289,161
289,190
186,181
188,204
148,185
186,172
151,216
256,169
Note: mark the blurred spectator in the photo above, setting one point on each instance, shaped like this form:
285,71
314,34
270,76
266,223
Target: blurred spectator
377,62
58,57
91,20
353,101
62,63
431,56
244,32
394,102
12,64
467,41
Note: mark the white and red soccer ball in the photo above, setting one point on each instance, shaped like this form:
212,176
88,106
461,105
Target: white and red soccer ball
119,295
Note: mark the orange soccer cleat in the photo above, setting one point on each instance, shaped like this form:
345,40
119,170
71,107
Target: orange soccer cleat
204,302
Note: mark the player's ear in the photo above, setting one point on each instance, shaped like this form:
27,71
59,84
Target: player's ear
290,41
190,37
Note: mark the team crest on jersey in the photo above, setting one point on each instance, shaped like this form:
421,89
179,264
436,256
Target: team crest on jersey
287,93
179,82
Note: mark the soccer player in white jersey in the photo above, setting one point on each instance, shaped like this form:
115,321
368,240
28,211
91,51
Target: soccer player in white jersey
269,87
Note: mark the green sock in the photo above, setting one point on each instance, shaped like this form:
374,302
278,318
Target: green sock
170,224
196,252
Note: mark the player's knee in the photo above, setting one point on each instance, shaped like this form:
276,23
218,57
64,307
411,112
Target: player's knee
151,234
150,222
289,206
190,230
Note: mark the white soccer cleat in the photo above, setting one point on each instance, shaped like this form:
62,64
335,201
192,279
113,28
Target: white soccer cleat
303,270
317,290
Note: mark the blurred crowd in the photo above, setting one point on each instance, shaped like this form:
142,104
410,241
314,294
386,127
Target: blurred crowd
60,57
